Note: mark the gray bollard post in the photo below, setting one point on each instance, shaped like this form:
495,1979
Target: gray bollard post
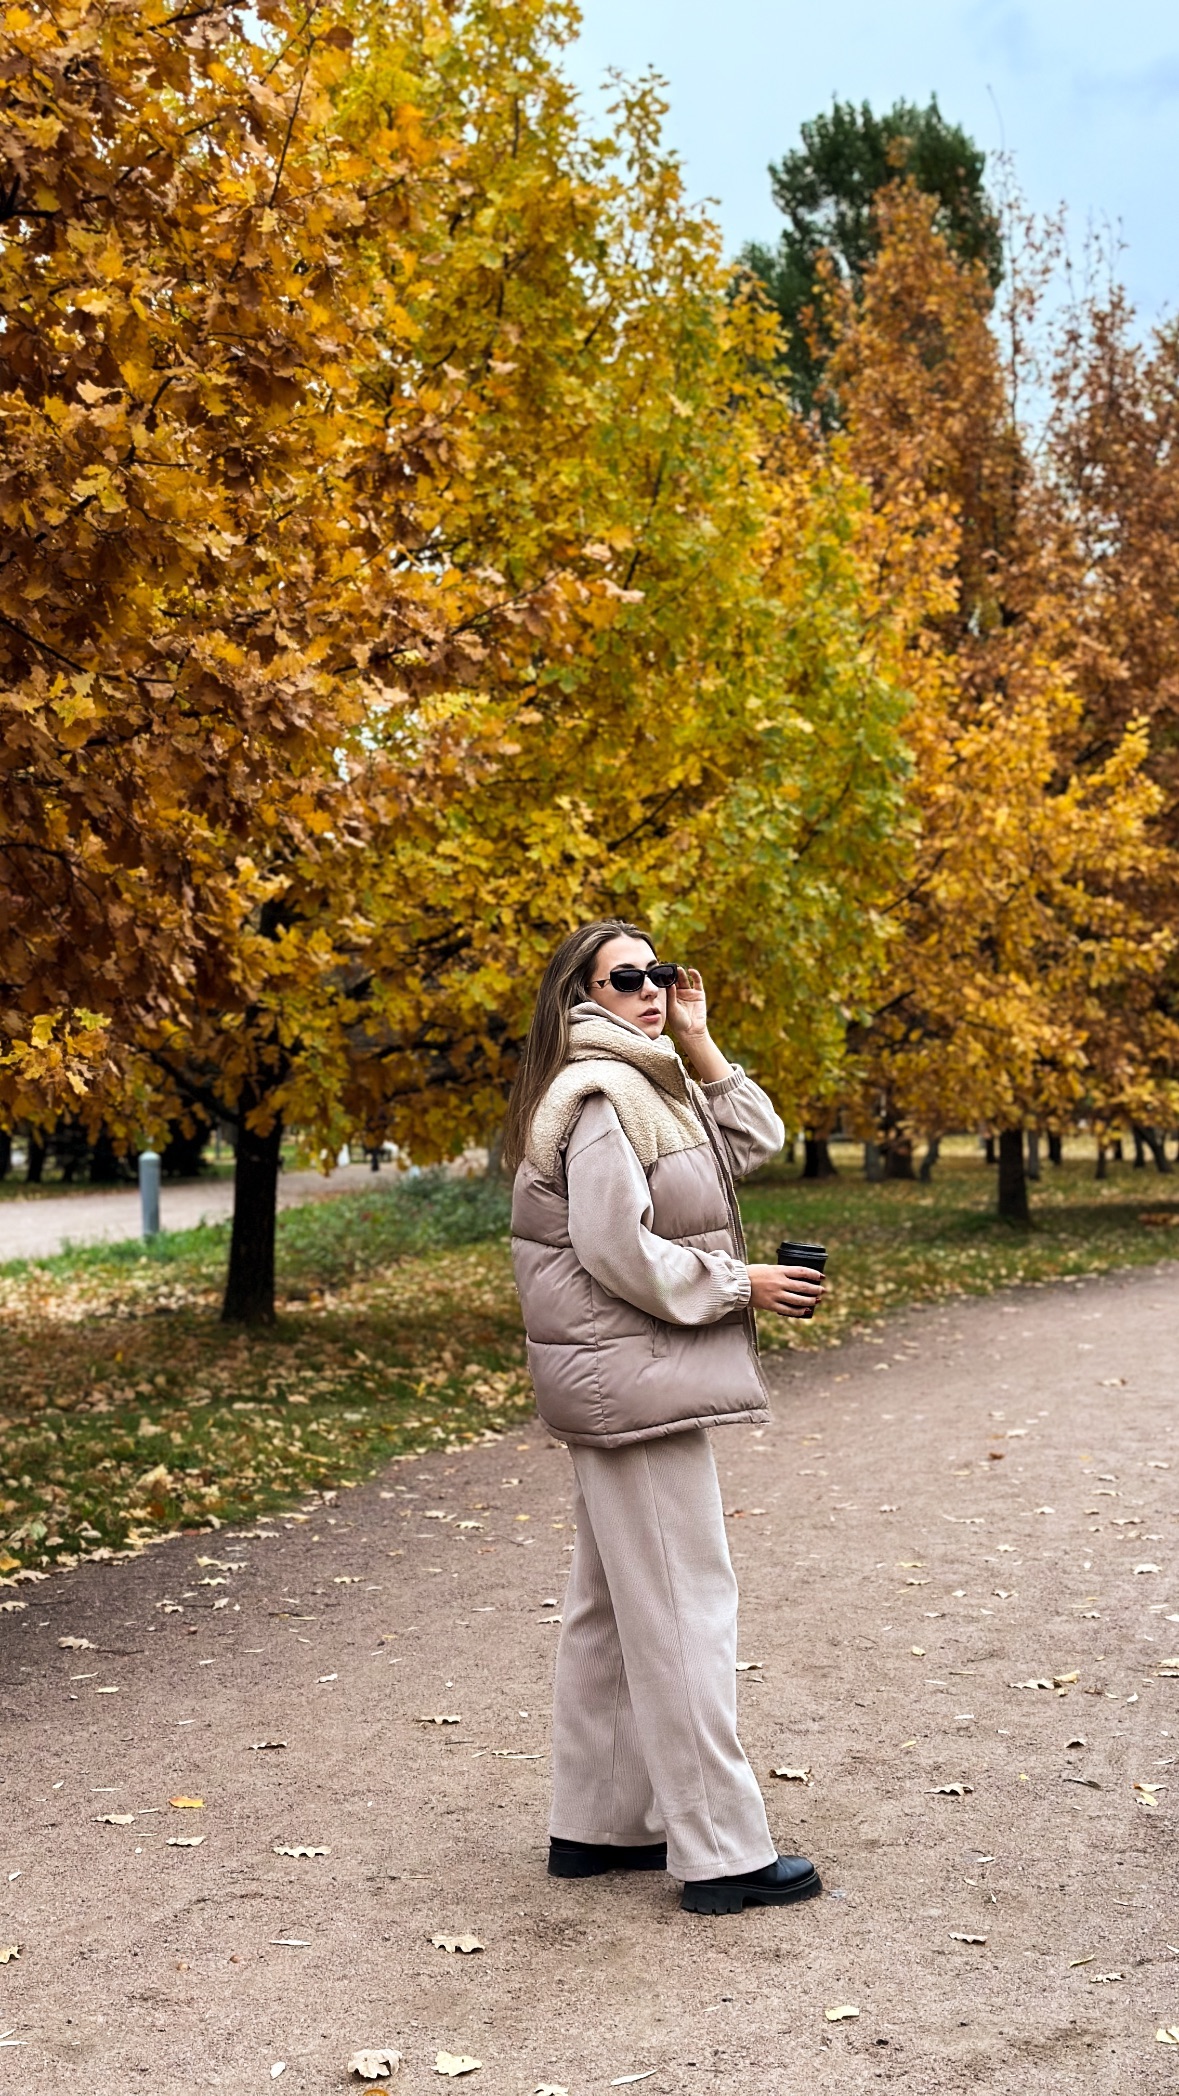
149,1192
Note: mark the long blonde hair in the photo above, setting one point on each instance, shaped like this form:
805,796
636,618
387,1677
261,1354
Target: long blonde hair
566,981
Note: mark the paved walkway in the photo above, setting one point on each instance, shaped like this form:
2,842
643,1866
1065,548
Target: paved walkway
36,1228
979,1498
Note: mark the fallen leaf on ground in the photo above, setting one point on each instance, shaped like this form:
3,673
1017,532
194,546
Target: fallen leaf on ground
116,1819
550,2088
745,1666
11,1608
1148,1567
188,1804
1088,1782
957,1936
1169,2036
267,1746
184,1841
1090,1960
374,2061
279,2067
1144,1795
451,1720
321,1678
1077,1740
1105,1979
300,1850
918,1651
455,2063
292,1942
106,1691
839,2015
1065,1680
620,2080
950,1790
1113,1382
792,1775
462,1943
73,1644
1039,1682
9,1951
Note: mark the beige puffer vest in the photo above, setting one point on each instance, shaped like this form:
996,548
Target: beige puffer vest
607,1371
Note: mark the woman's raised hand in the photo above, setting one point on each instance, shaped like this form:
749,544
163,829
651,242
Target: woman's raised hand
687,1008
789,1291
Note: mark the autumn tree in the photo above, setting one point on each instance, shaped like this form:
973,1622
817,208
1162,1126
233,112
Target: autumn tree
1113,461
394,575
1021,987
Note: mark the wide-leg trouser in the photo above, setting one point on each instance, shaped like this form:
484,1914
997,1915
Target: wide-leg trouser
645,1704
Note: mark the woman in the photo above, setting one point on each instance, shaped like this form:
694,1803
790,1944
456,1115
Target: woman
638,1303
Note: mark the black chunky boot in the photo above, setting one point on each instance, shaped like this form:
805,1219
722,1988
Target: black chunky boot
787,1878
591,1859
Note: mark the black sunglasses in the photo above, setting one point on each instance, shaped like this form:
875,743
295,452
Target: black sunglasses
660,974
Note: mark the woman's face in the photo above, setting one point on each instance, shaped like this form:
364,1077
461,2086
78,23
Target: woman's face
645,1008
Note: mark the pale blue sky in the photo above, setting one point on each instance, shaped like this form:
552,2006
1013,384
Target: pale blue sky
1087,94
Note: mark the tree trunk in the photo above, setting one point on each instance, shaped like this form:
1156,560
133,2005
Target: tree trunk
898,1158
817,1162
35,1168
873,1164
1013,1185
1116,1151
1055,1149
5,1154
933,1150
1033,1164
249,1284
1139,1148
105,1169
989,1156
1156,1144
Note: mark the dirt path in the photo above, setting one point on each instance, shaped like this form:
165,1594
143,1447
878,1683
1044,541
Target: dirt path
896,1582
36,1228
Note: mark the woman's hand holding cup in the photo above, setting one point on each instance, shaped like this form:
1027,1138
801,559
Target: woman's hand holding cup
789,1291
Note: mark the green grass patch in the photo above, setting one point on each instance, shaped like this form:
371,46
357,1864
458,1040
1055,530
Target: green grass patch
127,1410
901,1242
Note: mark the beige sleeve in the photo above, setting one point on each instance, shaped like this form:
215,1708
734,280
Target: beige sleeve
745,1121
610,1218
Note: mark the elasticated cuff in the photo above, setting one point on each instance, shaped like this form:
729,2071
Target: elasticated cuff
720,1085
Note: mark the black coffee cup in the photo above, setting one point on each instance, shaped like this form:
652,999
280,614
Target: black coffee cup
814,1255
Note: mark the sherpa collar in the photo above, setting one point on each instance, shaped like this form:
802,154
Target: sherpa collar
595,1032
644,1080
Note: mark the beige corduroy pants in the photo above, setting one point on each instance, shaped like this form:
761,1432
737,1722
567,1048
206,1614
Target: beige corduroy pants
645,1705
